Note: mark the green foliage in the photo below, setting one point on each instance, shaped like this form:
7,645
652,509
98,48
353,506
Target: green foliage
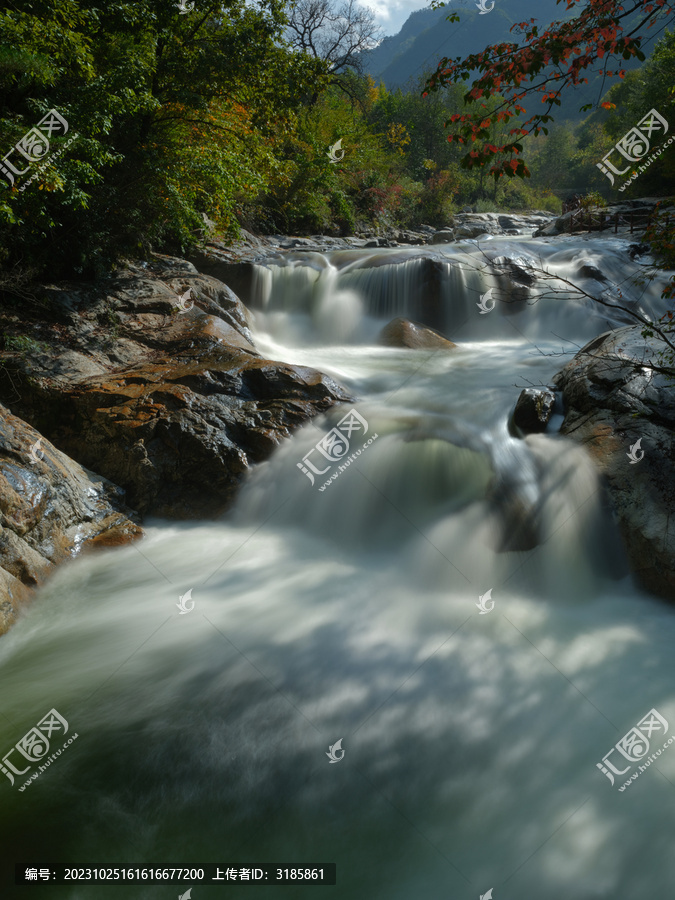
486,206
23,345
181,117
651,87
660,234
176,116
593,200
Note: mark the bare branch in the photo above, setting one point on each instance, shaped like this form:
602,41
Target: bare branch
337,34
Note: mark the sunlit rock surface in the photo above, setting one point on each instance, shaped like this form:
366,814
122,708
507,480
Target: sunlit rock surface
51,508
171,401
402,332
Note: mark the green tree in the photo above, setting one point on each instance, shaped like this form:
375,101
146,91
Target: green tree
177,116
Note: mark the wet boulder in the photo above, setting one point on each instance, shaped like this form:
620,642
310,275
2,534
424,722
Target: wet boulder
472,229
411,237
51,509
533,410
402,332
589,271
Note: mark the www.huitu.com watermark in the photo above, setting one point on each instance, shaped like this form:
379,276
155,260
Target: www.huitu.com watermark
636,452
634,147
485,301
634,747
648,761
34,747
334,447
34,147
348,461
647,162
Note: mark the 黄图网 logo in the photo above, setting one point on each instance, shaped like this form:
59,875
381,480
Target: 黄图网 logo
34,745
635,145
334,445
33,146
186,896
183,605
484,599
185,6
636,452
484,8
486,299
487,895
634,745
334,749
336,153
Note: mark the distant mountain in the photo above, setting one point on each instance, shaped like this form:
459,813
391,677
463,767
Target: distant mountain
427,36
419,22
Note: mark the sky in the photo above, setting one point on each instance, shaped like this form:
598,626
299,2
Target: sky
391,14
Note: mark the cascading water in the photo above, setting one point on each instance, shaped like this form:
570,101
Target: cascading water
347,609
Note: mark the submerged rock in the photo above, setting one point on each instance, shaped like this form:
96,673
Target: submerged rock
623,411
402,332
51,508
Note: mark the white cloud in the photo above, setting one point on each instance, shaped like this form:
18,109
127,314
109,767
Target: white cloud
391,14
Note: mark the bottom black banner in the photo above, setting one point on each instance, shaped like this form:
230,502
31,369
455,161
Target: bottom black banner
210,873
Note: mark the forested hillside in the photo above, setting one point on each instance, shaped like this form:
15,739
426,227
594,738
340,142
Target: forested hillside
179,122
427,35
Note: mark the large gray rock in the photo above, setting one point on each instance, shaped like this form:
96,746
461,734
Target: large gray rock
51,509
443,237
613,399
412,237
473,229
473,225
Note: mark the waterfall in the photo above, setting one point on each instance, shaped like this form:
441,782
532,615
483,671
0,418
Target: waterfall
533,289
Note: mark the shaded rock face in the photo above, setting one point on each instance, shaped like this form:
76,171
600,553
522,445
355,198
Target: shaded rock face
402,332
173,406
235,274
51,508
533,410
613,399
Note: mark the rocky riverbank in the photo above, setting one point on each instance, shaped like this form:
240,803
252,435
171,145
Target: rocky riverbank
51,509
152,381
467,225
461,226
618,401
620,405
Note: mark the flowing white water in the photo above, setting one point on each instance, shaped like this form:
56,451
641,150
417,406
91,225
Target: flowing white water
471,741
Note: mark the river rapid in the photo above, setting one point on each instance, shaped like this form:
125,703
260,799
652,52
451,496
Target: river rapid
471,738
